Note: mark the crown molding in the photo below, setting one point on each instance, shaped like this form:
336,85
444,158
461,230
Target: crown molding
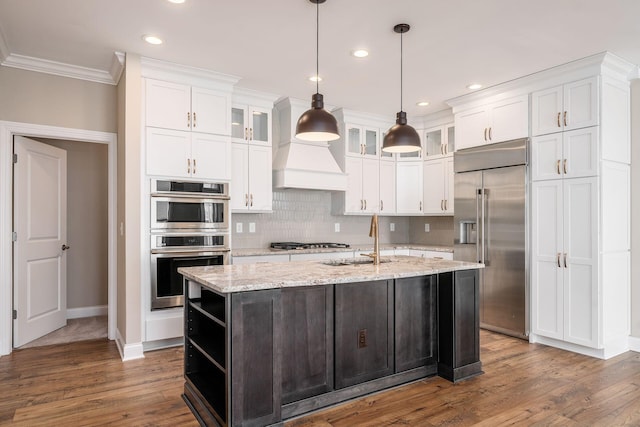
172,72
57,68
117,66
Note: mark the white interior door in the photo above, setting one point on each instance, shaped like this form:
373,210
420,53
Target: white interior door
40,222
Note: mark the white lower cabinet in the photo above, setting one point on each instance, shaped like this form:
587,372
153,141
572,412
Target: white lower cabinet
183,154
565,297
409,187
438,186
250,187
430,254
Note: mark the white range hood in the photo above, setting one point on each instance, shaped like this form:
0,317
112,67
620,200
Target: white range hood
302,164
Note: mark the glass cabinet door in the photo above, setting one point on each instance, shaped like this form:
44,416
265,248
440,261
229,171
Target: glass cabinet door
238,125
371,142
451,139
384,154
259,125
353,140
433,142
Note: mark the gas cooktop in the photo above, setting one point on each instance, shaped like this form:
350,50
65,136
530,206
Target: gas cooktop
296,245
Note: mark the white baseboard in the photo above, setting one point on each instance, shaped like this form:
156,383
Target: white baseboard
634,344
96,310
612,348
128,351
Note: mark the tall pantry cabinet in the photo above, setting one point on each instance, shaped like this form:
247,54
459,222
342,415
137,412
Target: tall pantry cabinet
580,212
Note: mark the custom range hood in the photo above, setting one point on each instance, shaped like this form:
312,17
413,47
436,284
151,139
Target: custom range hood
302,164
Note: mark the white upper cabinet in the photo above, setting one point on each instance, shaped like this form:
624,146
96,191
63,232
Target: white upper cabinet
251,124
438,141
362,141
438,186
251,180
567,107
182,107
387,187
572,154
499,121
409,184
362,194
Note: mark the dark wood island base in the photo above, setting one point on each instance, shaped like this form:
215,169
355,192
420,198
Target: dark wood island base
258,358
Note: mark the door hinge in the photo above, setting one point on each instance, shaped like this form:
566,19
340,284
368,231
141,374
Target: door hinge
14,236
15,314
15,158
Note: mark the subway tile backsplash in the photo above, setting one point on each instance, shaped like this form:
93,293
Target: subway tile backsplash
305,216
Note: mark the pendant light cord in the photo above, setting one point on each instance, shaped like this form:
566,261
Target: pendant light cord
401,71
317,46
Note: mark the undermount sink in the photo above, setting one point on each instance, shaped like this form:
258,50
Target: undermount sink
352,261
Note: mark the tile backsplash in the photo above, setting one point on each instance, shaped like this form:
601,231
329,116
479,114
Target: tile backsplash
305,216
440,230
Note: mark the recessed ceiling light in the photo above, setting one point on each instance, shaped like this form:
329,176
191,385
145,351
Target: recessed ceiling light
474,86
315,78
422,103
151,39
177,1
360,53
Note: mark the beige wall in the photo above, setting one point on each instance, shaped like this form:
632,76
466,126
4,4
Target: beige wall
440,230
31,97
129,322
87,217
635,208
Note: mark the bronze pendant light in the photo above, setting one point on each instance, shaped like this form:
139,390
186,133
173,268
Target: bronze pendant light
317,124
401,138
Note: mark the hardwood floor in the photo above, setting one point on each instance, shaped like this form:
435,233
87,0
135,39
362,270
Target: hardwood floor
86,384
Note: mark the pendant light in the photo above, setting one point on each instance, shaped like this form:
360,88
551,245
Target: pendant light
401,138
317,124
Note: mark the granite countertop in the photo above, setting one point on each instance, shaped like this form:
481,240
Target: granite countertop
252,277
363,247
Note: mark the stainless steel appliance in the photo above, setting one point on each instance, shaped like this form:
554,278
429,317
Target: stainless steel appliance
189,228
490,226
189,205
297,245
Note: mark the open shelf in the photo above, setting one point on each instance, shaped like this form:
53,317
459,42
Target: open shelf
212,352
197,304
210,383
207,335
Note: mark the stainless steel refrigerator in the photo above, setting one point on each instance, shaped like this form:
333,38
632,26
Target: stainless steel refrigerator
490,226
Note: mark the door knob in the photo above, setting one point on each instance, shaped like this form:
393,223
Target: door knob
65,247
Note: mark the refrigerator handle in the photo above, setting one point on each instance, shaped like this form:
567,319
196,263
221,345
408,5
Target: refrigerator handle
486,232
478,223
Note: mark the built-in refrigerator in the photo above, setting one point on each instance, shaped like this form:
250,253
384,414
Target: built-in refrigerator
490,226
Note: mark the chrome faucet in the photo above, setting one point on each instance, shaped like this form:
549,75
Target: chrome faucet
373,232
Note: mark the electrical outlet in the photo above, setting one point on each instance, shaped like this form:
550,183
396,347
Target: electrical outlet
252,227
238,227
392,226
336,227
426,227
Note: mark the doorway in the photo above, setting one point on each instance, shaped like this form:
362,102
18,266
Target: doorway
7,131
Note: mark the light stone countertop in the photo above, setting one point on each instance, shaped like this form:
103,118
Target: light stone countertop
362,247
268,275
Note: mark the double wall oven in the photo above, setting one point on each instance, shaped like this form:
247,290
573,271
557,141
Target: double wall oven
189,227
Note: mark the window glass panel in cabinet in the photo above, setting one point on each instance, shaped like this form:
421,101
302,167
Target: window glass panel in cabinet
385,154
411,156
451,139
433,142
260,126
353,140
237,123
371,142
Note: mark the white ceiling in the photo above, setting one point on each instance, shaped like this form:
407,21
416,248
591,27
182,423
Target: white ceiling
270,44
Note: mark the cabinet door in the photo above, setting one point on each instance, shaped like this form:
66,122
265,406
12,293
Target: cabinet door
211,111
433,143
580,249
547,296
256,365
239,123
415,324
449,186
260,178
168,105
450,139
363,328
353,202
387,187
371,143
580,149
581,104
239,186
307,342
409,187
371,184
509,119
471,127
260,130
546,157
354,140
168,152
433,198
211,156
546,108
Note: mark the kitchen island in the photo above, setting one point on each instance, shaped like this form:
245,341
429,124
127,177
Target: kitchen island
266,342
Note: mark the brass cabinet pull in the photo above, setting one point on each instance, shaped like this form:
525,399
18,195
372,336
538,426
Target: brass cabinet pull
420,205
251,200
194,165
194,119
489,134
188,119
361,205
246,199
251,134
442,204
381,205
558,167
246,134
564,166
485,134
365,204
559,113
445,205
558,259
188,166
565,118
565,260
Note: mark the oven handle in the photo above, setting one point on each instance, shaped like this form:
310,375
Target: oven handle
177,196
184,253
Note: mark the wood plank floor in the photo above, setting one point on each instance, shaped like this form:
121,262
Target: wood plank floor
86,384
